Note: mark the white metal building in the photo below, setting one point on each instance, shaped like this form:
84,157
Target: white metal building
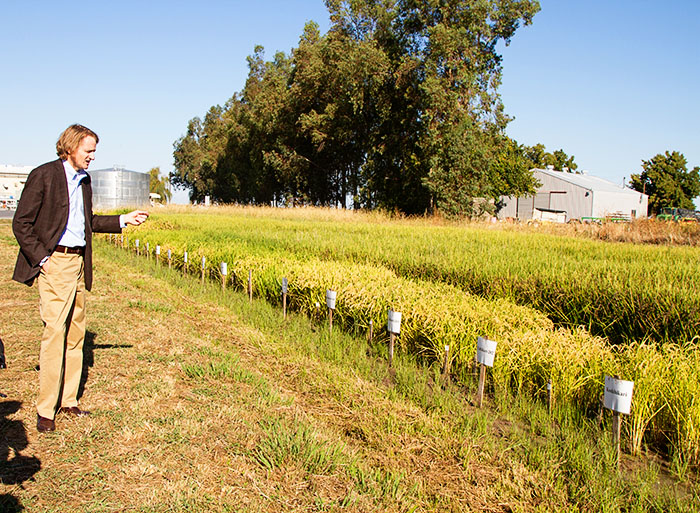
565,196
12,180
118,187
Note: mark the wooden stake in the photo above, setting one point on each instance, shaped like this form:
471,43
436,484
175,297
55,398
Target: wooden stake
391,349
446,365
616,426
482,381
284,305
203,265
550,396
371,330
616,435
330,320
170,259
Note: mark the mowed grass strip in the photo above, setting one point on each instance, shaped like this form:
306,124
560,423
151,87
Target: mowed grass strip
202,402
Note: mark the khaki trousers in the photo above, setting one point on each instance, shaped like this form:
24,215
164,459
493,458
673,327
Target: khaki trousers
62,308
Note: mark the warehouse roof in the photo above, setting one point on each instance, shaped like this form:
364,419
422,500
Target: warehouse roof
592,183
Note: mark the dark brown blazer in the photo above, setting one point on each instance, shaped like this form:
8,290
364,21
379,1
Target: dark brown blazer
42,216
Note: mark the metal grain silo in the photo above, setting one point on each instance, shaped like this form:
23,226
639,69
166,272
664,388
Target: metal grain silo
118,187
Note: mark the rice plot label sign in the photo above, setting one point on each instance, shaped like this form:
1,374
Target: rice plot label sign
330,299
285,285
394,322
485,351
618,395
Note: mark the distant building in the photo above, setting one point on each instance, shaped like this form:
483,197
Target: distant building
12,180
565,196
118,187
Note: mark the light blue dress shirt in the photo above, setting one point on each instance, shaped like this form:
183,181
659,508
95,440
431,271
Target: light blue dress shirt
74,234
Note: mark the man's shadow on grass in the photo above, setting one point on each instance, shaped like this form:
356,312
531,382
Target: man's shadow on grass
89,347
15,468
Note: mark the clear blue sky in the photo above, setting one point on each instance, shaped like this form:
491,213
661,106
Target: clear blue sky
611,82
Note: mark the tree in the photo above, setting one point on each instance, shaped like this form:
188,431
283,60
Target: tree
511,170
539,158
435,145
159,185
396,106
667,181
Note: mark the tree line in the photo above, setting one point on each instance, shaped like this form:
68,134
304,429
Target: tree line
395,107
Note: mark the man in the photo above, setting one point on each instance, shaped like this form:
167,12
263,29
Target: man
53,225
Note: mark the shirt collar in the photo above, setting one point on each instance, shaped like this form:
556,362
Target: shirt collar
73,174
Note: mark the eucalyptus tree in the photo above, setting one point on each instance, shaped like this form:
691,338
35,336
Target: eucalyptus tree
447,120
397,106
197,153
159,185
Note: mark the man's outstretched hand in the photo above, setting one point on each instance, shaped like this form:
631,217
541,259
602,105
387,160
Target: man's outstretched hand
135,218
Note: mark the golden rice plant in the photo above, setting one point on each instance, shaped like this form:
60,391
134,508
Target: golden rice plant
649,367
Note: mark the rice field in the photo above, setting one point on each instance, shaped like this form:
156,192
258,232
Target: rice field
563,309
622,292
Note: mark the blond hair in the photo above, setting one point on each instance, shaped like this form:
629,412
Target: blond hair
70,139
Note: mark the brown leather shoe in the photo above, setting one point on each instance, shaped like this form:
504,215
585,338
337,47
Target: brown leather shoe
74,411
44,425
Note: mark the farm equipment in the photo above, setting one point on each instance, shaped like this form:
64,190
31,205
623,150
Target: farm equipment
679,215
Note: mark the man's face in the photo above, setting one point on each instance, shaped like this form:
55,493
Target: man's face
81,157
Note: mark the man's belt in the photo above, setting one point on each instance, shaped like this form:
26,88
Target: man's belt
72,251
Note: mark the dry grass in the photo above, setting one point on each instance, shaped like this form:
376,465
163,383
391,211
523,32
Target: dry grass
640,231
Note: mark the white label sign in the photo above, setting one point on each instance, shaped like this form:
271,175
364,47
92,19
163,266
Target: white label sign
393,325
170,254
137,243
204,261
330,299
224,268
618,395
185,256
285,285
485,351
157,250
